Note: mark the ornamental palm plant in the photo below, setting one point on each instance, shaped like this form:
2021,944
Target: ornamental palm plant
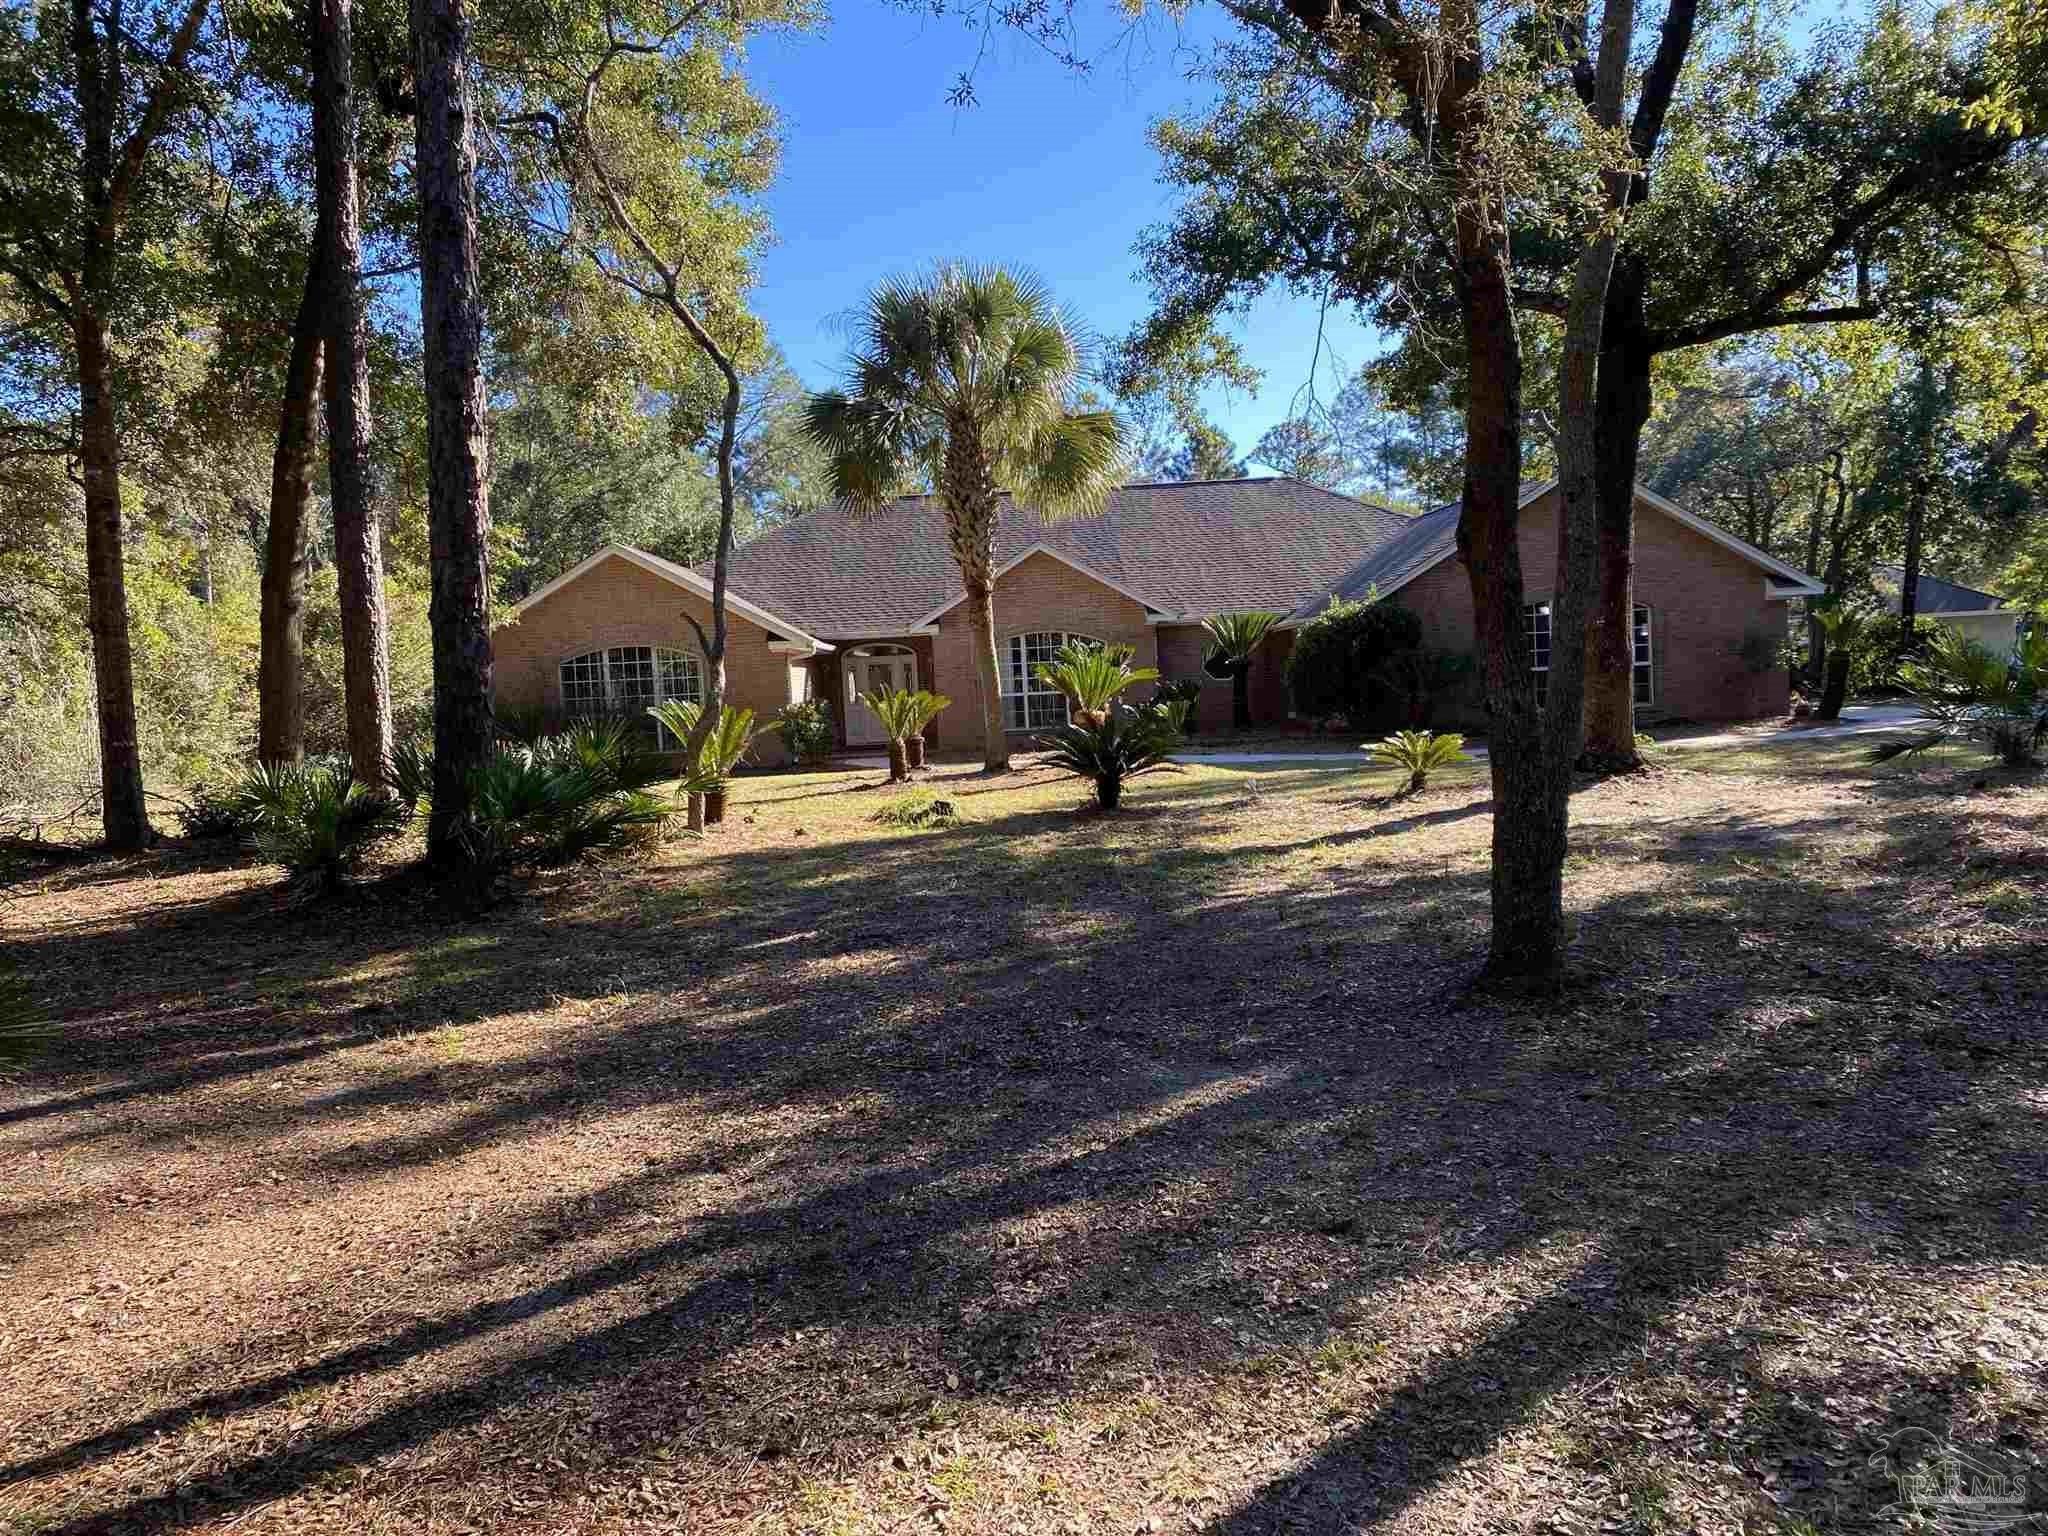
966,375
1233,637
901,713
1092,676
1419,753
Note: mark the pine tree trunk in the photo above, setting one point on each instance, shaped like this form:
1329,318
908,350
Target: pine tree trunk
967,487
124,811
1621,409
281,658
358,544
451,316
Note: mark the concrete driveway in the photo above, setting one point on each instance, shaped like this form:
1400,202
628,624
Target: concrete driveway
1857,720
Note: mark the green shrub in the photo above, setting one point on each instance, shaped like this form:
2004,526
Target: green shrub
918,811
806,731
412,774
1420,678
1419,754
23,1029
545,804
1874,658
211,811
1092,676
617,754
901,712
1344,663
317,819
1119,745
1184,691
1965,689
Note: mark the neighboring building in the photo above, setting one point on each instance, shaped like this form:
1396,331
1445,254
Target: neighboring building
1980,616
834,605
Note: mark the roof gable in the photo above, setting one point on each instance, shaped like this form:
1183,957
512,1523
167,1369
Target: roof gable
1051,554
1433,539
681,576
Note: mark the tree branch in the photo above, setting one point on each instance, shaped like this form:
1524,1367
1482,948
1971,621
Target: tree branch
1753,320
154,111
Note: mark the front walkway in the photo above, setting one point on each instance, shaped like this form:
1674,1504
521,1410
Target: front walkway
1857,720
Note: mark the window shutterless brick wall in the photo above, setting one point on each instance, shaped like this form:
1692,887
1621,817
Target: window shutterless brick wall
618,603
1703,600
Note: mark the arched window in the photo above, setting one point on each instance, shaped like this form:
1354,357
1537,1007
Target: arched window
626,680
1028,705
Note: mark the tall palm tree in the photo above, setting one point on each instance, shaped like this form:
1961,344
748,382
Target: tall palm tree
967,375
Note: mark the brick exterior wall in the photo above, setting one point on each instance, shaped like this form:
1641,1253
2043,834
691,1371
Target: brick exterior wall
619,603
1182,649
1703,600
1041,593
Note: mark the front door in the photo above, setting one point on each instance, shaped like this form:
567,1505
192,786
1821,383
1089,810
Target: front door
872,674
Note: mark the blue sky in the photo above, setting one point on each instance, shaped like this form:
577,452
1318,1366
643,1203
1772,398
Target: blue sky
1049,170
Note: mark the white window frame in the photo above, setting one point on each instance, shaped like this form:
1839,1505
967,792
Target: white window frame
1536,625
619,678
1020,667
1642,657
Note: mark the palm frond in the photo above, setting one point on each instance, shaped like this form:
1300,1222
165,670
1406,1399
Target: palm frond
1071,464
1234,636
23,1029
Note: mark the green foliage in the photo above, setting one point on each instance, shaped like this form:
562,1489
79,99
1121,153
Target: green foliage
806,731
967,344
1418,754
1874,658
1115,747
1233,637
612,752
548,804
1091,675
572,478
211,811
1965,690
919,811
725,746
317,819
898,710
1182,693
678,716
23,1029
1348,664
412,773
1422,677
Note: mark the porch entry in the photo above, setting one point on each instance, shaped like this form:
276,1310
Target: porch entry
870,669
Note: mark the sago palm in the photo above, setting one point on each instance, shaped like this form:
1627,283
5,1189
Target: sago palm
966,376
1233,638
1418,754
1092,677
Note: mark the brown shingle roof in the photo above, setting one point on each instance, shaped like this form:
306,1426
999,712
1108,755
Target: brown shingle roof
1195,548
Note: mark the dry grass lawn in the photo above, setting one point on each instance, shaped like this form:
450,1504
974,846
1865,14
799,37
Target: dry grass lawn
1046,1172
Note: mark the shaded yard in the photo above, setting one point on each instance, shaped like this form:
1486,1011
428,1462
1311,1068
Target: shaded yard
1047,1173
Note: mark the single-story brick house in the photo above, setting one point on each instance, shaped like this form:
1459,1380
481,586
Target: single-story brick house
833,605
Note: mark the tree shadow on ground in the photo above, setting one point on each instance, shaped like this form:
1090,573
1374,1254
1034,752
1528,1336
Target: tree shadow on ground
1016,1113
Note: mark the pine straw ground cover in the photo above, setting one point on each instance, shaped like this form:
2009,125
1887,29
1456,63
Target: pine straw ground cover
1046,1172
